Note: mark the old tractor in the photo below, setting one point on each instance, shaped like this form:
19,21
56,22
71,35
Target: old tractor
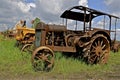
8,34
92,44
24,35
28,45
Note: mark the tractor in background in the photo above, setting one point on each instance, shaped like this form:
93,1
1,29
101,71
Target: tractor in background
24,35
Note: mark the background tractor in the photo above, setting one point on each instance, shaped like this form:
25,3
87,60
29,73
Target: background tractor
24,35
92,44
30,32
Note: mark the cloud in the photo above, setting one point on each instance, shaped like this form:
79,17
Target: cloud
54,8
112,6
48,11
11,11
83,3
25,7
51,12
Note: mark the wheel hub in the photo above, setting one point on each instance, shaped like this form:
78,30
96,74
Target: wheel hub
98,50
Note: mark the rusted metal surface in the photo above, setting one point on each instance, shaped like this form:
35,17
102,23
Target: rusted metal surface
45,57
93,43
99,50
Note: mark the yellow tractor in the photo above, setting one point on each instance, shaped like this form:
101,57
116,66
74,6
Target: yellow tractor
24,35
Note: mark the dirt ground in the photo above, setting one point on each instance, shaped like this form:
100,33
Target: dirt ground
111,75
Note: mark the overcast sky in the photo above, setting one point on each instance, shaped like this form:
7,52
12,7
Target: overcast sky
49,11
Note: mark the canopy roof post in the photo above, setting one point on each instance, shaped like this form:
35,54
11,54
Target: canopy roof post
115,29
110,23
84,27
90,21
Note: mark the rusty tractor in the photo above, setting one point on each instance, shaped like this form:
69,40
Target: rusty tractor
93,44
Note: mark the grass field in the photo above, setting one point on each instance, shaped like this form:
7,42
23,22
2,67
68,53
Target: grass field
14,66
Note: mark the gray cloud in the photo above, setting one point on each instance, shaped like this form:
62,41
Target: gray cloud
113,6
12,11
50,11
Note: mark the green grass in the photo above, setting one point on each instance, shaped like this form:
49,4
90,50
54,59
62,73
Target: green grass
12,63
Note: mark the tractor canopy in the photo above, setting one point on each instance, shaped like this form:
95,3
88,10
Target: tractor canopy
84,14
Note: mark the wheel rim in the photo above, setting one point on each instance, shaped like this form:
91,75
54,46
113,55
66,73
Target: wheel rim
27,48
43,59
99,50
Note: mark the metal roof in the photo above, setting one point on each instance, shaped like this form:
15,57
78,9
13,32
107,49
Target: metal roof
79,14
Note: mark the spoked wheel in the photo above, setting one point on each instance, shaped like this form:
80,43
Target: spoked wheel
99,50
27,48
43,59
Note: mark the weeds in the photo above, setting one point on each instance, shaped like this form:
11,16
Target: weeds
13,63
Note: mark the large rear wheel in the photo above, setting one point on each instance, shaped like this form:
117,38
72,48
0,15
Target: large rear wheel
99,50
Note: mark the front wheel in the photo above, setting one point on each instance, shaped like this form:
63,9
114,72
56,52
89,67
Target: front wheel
27,48
43,59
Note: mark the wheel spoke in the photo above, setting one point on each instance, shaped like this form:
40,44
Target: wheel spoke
96,44
93,51
93,59
101,43
94,47
103,46
52,61
47,55
92,55
38,57
43,54
105,51
48,61
102,56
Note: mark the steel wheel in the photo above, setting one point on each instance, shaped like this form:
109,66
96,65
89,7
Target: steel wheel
99,51
27,48
43,59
